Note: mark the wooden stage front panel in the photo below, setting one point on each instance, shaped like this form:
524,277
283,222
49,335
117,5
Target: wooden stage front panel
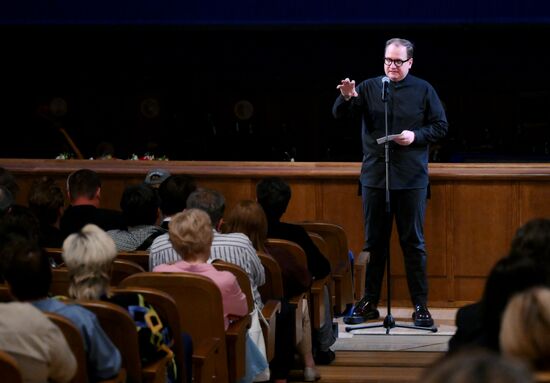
471,217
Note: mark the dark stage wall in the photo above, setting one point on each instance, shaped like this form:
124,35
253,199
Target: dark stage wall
173,89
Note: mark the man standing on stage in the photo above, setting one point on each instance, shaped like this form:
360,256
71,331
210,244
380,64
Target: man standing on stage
416,116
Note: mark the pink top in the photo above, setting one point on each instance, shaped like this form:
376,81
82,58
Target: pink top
234,300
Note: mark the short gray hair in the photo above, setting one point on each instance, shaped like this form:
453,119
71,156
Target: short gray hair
89,255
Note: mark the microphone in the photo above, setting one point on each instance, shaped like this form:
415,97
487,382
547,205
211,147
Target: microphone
385,85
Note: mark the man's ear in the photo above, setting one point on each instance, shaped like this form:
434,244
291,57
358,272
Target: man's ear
219,225
98,193
159,216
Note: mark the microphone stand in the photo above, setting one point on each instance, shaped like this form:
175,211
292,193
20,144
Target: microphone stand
389,321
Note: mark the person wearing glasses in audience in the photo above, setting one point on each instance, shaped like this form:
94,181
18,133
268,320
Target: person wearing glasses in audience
417,119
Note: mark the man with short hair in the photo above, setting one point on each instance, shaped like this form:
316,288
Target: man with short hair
84,193
140,208
417,119
173,193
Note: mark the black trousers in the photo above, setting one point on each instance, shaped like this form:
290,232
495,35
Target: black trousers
408,207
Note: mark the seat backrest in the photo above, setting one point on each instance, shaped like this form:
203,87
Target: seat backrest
123,268
76,343
242,278
167,310
292,247
121,329
273,286
320,242
60,281
338,254
199,304
9,370
5,295
141,257
336,239
54,253
316,292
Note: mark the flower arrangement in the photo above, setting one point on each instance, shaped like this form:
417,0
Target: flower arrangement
148,157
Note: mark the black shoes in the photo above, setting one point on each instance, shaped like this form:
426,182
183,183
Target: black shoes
363,311
422,317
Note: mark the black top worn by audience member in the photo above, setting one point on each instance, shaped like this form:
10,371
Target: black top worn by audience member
317,264
50,236
76,217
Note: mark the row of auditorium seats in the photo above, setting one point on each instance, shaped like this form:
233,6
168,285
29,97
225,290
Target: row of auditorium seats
193,303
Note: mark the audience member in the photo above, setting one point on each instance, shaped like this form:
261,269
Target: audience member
141,210
533,240
6,200
47,202
479,366
173,193
481,326
525,329
191,235
528,265
84,193
36,343
248,217
274,194
155,177
89,256
234,248
7,180
28,264
17,227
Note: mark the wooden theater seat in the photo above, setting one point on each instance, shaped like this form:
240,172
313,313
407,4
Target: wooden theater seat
317,303
141,257
9,369
5,295
273,289
166,308
338,255
76,343
121,269
200,308
269,311
121,329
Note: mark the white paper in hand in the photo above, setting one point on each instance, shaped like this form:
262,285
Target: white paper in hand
391,137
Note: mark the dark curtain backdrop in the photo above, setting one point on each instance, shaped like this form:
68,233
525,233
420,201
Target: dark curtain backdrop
262,92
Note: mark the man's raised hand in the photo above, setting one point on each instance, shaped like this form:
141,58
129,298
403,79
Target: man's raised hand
347,88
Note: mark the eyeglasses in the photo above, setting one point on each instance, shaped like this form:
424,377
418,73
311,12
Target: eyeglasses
397,62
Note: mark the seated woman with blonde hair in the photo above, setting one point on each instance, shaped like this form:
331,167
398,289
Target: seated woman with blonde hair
525,329
248,217
89,256
191,235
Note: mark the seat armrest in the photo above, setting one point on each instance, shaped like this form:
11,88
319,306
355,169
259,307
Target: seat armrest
204,361
236,341
269,312
155,372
